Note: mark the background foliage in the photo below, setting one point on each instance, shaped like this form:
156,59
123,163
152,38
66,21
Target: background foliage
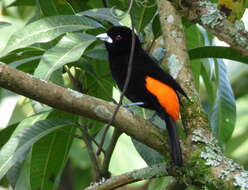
55,40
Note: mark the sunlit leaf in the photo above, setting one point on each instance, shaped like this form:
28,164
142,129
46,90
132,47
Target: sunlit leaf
50,154
47,29
104,14
237,146
22,3
14,171
17,146
69,49
4,24
8,102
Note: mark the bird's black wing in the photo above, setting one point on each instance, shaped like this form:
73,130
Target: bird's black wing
151,68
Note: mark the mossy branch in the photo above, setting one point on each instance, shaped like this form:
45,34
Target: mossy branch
212,19
212,167
154,171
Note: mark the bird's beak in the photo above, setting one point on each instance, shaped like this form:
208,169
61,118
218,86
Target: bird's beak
104,37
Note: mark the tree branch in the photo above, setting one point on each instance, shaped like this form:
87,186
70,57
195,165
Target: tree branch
179,64
208,15
155,171
84,105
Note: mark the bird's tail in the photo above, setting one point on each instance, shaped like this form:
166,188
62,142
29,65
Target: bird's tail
174,141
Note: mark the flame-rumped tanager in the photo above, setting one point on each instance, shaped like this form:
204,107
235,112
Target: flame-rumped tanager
149,83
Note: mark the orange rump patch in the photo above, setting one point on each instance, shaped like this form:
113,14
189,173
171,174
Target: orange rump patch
166,96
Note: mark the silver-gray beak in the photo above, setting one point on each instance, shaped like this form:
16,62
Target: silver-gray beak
104,37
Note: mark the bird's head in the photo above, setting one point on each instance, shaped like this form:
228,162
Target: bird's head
118,40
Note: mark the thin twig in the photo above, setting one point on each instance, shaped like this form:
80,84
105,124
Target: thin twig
149,49
93,158
125,13
85,135
81,138
102,139
129,72
77,85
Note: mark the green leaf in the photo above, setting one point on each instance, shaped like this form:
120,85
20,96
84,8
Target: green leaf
48,7
55,7
97,79
104,14
209,86
150,156
156,27
64,7
8,101
159,183
196,70
19,63
17,146
23,3
236,147
143,12
49,155
69,49
21,54
97,53
47,29
14,171
217,52
23,181
223,115
25,59
194,39
6,133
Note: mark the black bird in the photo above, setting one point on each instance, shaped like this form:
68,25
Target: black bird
149,84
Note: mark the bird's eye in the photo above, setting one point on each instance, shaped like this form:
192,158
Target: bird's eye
118,37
